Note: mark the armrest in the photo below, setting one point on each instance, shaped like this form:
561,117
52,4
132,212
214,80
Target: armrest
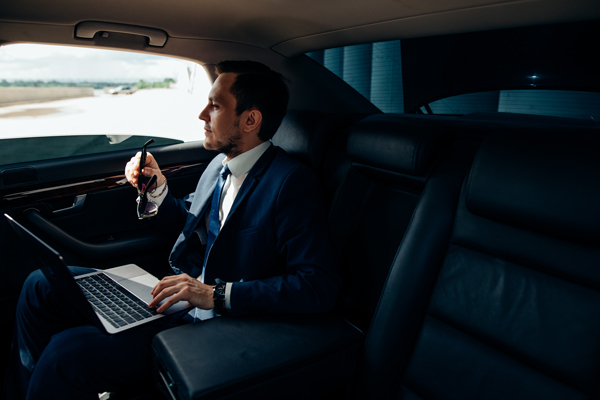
266,356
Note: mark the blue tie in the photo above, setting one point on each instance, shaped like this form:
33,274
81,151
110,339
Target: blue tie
214,223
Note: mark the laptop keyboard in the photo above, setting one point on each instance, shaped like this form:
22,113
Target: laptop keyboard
112,301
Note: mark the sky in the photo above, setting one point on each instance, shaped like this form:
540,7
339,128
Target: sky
75,64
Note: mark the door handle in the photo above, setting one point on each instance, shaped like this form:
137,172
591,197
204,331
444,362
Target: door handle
78,204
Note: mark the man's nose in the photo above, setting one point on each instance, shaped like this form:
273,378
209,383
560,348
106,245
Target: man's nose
204,114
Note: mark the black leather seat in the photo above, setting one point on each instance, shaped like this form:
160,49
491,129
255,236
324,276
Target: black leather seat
387,167
306,134
302,357
498,296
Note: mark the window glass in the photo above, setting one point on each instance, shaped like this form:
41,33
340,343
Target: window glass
58,101
558,103
374,70
551,73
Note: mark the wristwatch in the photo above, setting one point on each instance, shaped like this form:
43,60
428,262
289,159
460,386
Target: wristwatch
219,298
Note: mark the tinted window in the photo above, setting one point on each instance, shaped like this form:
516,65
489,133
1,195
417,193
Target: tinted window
546,70
558,103
374,70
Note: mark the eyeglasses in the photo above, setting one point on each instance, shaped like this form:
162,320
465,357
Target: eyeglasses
146,208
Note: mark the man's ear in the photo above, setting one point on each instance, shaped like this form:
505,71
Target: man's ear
252,121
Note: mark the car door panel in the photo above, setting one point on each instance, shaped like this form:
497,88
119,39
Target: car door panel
84,207
85,203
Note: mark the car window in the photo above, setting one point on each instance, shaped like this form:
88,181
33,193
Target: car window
559,103
373,69
493,71
58,101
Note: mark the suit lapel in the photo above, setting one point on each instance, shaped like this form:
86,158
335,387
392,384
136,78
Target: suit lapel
203,194
200,202
208,181
253,178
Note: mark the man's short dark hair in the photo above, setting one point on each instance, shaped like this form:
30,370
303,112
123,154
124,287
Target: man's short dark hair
258,87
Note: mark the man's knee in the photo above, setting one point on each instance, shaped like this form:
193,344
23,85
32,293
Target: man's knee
35,286
38,292
35,279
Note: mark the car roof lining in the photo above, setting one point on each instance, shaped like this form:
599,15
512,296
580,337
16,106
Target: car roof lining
291,28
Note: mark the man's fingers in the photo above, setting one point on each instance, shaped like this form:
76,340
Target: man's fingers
172,294
152,168
164,282
147,171
170,301
132,169
181,287
163,294
172,285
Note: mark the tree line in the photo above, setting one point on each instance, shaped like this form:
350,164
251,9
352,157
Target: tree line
141,84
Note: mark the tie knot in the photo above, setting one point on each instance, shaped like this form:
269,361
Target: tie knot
225,171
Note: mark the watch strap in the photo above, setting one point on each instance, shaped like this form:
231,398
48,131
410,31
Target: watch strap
219,298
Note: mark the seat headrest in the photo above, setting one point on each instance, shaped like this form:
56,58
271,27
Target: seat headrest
546,182
394,143
296,135
305,134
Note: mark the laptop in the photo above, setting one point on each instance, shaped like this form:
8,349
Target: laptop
114,299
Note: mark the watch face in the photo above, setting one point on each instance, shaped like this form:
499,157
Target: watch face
220,290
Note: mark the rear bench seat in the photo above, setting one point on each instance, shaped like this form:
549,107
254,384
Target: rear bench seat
386,166
493,291
511,299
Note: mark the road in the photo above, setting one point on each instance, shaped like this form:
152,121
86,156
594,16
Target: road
167,113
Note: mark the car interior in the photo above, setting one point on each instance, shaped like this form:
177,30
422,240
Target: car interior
457,145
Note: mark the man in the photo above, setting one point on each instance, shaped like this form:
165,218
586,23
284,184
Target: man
270,252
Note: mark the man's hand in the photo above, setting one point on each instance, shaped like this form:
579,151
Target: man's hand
132,169
182,287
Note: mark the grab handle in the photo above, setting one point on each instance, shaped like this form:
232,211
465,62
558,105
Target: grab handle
87,30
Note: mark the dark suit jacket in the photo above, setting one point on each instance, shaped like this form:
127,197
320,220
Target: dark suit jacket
274,245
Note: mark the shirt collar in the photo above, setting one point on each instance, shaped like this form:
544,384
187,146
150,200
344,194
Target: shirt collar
244,162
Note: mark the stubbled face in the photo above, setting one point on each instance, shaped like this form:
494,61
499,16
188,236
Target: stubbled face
221,124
